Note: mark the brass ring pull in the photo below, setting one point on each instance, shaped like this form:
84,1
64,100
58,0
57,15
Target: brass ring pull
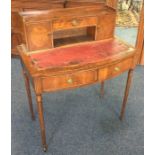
117,69
70,81
74,22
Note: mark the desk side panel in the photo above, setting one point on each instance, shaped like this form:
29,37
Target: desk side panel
38,35
106,26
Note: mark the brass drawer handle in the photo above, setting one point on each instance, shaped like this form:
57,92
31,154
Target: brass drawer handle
74,22
70,81
117,69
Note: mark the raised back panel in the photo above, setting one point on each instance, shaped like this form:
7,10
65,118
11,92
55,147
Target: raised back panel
38,35
39,27
106,26
78,3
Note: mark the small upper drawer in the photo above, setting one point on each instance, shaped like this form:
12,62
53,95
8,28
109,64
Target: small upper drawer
115,69
61,24
69,80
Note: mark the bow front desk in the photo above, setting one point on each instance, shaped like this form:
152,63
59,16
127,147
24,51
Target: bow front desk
52,68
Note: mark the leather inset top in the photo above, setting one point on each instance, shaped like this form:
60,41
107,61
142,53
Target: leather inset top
79,54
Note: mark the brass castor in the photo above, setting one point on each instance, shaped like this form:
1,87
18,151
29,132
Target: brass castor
45,148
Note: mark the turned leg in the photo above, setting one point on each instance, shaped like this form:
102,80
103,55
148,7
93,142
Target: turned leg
28,90
130,73
102,88
41,120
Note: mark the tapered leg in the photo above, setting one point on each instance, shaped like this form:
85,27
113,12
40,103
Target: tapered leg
130,73
28,90
102,88
41,120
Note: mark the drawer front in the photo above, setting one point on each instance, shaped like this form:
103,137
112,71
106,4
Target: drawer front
68,80
73,23
115,69
121,67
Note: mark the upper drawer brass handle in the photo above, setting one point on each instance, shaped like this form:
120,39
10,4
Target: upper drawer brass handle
69,81
117,69
74,22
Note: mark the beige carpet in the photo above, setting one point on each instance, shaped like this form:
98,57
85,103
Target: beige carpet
127,19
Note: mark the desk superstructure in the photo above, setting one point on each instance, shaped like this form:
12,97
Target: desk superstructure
33,5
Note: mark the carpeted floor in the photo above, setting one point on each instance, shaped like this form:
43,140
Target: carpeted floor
80,122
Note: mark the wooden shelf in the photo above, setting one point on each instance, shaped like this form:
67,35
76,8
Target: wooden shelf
71,40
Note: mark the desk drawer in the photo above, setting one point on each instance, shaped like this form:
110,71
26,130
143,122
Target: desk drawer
116,69
73,23
68,80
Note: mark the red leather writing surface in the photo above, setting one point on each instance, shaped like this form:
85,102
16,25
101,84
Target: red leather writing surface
78,54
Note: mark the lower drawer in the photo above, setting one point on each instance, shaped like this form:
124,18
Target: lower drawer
115,69
68,80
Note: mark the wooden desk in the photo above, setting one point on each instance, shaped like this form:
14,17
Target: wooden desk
52,68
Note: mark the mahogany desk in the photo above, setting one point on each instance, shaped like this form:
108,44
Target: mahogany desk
75,66
51,68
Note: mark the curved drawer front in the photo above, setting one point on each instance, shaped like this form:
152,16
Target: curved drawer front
73,23
115,69
68,80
